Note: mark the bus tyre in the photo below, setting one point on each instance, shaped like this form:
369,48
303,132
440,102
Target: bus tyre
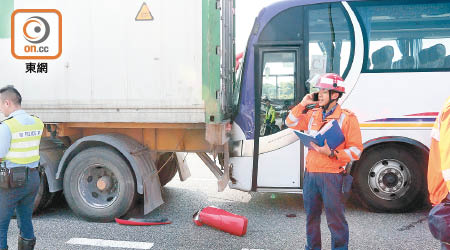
99,185
390,179
169,170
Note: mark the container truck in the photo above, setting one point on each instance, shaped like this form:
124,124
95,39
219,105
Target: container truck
125,86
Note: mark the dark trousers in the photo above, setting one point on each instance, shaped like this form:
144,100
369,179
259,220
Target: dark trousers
22,200
324,189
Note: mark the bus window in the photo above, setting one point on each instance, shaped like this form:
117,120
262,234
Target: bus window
406,36
330,40
286,26
278,83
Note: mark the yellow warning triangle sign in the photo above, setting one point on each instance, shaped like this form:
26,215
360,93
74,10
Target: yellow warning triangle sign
144,13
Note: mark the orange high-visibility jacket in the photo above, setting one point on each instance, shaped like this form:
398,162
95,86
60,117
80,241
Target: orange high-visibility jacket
439,160
311,121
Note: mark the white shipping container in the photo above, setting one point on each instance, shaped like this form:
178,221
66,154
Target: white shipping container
127,86
114,68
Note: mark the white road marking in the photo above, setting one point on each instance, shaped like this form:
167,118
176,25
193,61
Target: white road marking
110,243
202,179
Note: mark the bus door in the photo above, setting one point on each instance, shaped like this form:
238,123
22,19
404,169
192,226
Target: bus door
278,154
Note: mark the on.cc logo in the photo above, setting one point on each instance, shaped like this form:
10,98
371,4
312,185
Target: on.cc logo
36,34
36,29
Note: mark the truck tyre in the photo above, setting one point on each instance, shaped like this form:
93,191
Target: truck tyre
169,170
50,153
99,185
390,179
43,196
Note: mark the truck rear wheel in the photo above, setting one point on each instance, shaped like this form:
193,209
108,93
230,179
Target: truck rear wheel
51,151
99,185
43,197
389,179
169,170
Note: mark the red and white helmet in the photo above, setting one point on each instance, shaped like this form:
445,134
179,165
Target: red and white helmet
331,81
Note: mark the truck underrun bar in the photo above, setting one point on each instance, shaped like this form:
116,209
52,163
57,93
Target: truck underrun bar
223,177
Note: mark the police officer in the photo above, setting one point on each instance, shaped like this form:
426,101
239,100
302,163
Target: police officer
269,121
324,179
20,135
270,111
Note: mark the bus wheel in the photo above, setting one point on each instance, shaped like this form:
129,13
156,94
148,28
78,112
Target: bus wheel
99,185
169,170
389,179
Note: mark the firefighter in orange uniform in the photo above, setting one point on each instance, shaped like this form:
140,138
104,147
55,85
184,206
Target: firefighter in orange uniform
439,177
324,166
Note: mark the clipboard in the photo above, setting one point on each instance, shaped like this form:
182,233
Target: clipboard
331,132
306,139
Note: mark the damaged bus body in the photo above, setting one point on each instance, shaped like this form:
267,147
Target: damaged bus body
130,92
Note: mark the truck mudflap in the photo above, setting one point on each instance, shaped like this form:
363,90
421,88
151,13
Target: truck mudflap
138,157
150,180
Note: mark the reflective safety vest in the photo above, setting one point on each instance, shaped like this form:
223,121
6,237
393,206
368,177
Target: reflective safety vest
439,160
270,114
25,141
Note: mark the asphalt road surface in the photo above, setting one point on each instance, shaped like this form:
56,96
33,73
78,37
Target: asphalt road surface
269,226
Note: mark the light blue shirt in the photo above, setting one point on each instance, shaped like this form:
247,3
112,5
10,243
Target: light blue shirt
326,114
5,137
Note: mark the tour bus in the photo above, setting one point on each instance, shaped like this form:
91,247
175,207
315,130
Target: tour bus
394,59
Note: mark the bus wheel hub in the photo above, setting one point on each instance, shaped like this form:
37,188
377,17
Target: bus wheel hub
389,179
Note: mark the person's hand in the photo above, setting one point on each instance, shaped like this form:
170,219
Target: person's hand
308,99
323,150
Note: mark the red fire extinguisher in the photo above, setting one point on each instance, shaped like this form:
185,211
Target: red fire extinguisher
222,220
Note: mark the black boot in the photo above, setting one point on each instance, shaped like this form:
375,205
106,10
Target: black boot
24,244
